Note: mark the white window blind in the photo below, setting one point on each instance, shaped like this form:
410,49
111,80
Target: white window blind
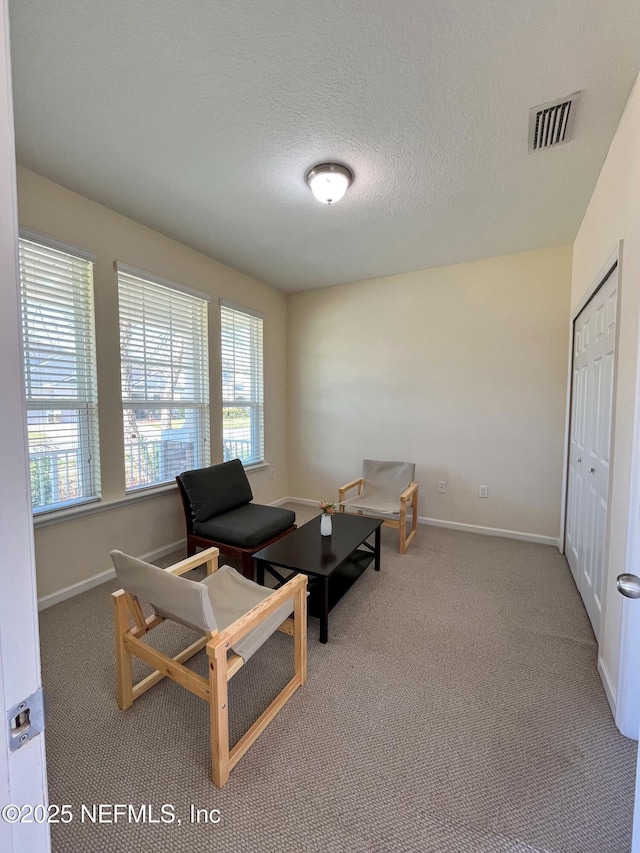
60,376
242,385
165,381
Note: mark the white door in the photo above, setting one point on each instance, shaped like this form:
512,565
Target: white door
590,443
6,840
629,586
22,770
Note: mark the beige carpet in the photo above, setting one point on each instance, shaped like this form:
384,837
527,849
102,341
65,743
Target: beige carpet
455,709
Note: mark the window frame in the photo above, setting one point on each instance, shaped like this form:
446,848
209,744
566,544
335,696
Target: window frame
256,403
87,448
200,367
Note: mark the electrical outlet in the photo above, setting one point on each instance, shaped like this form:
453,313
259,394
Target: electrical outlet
442,486
272,474
483,491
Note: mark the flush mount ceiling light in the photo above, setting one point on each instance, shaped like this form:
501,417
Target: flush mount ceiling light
329,181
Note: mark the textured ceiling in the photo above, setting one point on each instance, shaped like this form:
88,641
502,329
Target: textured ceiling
200,119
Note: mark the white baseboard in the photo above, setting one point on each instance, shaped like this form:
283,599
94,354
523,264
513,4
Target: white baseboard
281,501
538,538
102,577
607,683
307,501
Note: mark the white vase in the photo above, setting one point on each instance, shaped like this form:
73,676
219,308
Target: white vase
325,525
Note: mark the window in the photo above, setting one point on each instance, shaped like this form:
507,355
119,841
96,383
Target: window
56,291
242,385
165,378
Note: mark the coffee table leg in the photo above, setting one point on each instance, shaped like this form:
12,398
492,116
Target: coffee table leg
376,564
324,619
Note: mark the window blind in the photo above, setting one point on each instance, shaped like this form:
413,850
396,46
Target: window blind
165,381
57,314
242,385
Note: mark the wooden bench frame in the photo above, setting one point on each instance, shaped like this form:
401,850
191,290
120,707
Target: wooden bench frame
223,663
408,498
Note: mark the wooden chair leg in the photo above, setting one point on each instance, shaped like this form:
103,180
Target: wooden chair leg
124,677
300,633
414,525
219,712
403,527
405,540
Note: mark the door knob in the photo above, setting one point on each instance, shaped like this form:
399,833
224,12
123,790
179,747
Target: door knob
579,460
629,585
592,470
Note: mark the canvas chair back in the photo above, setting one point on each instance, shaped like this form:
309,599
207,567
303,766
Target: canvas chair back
174,597
388,479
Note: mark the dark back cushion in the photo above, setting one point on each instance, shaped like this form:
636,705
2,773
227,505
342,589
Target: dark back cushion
220,488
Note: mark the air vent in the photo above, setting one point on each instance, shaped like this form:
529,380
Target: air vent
552,124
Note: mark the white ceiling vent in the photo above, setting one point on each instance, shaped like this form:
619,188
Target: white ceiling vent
552,124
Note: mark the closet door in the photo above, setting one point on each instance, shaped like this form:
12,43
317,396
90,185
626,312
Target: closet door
589,456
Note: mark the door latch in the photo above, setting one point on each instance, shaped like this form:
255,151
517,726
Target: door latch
26,720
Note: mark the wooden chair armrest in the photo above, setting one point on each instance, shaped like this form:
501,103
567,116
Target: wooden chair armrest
242,626
344,489
210,557
411,489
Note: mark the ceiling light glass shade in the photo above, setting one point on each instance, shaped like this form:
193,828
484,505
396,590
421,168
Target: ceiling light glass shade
329,182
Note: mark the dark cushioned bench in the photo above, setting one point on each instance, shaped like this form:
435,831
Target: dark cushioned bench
219,512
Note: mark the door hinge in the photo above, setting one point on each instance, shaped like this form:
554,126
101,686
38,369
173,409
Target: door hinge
26,720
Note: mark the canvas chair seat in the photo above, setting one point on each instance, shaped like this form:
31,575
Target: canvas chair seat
385,488
236,617
211,604
231,596
376,501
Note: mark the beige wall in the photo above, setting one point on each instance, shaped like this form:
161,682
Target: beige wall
74,550
613,215
461,369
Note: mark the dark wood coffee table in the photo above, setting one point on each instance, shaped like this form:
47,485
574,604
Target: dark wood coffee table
333,563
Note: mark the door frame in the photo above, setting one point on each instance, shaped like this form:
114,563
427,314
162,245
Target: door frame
23,778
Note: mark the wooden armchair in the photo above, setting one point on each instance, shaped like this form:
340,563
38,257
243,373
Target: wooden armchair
388,489
236,617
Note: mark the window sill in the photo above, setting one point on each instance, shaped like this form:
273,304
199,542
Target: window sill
57,517
257,466
48,519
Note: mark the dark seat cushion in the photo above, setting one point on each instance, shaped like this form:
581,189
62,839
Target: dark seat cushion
246,526
217,489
